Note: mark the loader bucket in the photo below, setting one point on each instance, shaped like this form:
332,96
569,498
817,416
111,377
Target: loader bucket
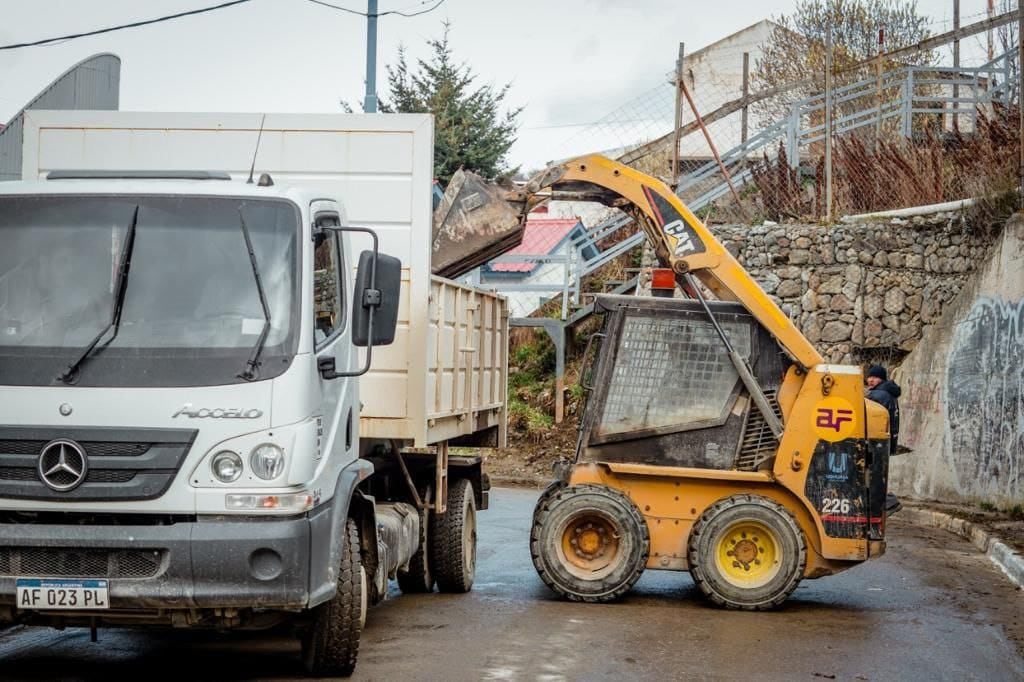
472,224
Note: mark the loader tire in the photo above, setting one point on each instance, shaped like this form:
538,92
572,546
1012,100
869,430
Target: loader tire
747,552
331,645
453,544
545,497
418,578
589,543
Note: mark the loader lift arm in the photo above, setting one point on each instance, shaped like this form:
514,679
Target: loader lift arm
681,241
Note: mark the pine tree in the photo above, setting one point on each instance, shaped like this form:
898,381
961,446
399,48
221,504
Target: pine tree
471,130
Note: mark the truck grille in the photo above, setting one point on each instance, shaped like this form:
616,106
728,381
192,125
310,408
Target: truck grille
95,448
758,443
124,464
80,563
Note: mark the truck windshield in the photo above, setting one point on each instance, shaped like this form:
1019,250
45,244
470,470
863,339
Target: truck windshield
191,311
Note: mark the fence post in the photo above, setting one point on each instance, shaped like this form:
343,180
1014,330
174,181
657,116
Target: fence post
679,117
746,93
793,136
908,103
1020,103
956,67
828,125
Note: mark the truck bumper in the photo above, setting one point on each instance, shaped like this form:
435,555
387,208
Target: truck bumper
209,563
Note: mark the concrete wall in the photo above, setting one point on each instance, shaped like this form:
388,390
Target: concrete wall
963,389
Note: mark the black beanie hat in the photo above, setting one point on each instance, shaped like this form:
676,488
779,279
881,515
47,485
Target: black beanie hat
878,371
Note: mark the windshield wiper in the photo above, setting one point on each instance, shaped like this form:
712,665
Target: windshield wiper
121,286
252,366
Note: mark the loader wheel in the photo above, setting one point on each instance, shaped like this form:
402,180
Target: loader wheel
418,578
589,543
331,645
453,545
546,496
747,552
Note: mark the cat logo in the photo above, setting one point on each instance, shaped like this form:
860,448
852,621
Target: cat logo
683,236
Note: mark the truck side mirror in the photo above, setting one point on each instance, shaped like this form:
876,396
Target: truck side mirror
375,303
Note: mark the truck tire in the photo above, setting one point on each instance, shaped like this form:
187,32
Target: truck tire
747,552
589,543
331,645
453,545
418,578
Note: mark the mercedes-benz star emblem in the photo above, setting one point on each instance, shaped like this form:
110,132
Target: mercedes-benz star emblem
63,465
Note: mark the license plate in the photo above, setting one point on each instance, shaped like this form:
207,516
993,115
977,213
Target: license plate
46,595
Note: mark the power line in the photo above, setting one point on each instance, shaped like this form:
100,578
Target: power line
47,41
397,12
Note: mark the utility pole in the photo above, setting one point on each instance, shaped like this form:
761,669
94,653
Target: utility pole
828,124
370,101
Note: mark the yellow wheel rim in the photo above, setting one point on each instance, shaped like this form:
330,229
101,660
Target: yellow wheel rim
748,554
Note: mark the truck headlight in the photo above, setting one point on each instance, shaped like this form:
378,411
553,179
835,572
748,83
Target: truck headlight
267,461
226,466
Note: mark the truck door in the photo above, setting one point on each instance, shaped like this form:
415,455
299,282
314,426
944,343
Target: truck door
331,336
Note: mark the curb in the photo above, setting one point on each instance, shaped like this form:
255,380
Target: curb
1002,555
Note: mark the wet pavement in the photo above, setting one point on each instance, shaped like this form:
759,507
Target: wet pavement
932,608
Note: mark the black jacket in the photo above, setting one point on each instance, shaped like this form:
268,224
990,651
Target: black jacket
886,394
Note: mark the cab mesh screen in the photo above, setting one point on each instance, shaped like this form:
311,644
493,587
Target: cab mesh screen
671,372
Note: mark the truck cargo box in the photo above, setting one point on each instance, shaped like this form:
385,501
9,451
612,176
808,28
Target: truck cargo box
445,377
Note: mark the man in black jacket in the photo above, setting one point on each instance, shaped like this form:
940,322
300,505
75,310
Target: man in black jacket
886,393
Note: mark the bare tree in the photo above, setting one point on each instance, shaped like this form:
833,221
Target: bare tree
796,48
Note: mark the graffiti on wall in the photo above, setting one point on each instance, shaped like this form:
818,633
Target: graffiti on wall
920,401
985,398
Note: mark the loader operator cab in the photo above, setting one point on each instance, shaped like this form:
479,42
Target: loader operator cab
665,392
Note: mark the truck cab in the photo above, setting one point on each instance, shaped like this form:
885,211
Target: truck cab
180,362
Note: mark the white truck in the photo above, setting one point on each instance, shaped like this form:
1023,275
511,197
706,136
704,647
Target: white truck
189,436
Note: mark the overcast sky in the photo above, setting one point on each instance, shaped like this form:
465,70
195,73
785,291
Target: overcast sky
570,61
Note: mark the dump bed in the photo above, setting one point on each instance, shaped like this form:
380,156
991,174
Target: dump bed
445,376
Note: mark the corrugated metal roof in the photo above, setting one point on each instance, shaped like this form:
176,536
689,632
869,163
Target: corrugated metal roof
93,83
541,236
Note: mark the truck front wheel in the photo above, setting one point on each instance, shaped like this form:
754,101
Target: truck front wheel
331,645
453,541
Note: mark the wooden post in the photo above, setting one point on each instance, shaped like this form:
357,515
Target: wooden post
828,124
991,45
679,118
956,66
878,86
746,93
1020,102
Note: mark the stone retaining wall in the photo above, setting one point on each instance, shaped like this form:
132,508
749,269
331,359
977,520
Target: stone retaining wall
861,290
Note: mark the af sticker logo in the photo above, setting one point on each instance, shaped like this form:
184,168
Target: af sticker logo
834,419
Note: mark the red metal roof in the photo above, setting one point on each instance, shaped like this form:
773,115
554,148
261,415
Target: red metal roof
540,237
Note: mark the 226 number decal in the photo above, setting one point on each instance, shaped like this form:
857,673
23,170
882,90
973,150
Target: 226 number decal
835,505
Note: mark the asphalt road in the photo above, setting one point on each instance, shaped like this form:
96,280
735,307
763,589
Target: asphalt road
932,608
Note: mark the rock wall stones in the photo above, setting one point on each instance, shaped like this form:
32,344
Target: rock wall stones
862,289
